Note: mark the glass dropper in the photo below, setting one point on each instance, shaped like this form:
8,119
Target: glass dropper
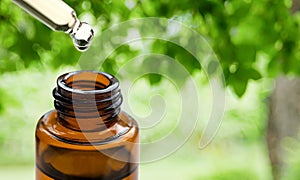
59,16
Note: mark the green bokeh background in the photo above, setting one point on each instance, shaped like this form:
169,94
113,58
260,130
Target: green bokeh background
255,41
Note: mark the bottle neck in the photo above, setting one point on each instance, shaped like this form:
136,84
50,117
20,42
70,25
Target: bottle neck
87,100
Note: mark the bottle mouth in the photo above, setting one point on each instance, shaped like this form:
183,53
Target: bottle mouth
92,95
87,82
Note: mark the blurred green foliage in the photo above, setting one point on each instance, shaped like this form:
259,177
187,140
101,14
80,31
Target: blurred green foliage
238,30
253,39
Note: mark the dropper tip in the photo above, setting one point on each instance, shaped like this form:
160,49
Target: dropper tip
83,36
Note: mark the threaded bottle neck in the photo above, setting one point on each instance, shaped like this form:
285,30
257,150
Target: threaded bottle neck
87,100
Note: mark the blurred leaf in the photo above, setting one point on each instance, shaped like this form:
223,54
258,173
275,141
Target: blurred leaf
246,54
108,66
239,79
252,74
154,78
239,86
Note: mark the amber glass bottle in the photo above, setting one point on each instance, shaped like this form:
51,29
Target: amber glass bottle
87,136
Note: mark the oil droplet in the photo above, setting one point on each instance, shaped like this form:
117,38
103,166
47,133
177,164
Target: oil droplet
82,36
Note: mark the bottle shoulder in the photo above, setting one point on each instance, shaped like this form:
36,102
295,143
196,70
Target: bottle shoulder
49,129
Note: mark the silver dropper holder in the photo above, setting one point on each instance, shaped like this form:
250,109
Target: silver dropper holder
58,16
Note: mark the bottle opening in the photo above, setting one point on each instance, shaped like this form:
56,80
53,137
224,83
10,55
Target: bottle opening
87,100
86,81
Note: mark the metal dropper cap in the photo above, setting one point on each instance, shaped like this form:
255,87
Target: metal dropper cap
57,15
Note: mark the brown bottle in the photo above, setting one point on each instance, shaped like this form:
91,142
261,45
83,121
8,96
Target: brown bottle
87,136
